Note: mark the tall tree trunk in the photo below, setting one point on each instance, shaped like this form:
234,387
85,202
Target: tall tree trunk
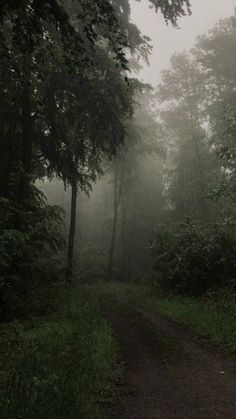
7,157
201,204
124,240
71,239
114,226
27,141
118,184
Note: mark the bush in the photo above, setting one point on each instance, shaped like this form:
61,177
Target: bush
92,264
190,259
29,243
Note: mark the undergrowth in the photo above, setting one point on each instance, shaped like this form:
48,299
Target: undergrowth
213,316
59,367
208,318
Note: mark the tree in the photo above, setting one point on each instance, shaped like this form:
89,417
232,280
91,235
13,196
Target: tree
137,185
182,91
172,10
216,54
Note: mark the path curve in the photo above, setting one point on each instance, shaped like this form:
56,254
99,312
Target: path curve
168,373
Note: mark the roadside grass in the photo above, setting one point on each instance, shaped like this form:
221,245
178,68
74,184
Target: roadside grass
209,319
213,318
64,366
61,367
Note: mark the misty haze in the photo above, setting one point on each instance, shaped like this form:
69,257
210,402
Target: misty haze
117,209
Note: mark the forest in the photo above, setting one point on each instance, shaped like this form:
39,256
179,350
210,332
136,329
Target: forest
117,215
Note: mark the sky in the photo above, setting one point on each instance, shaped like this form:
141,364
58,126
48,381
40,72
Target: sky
167,40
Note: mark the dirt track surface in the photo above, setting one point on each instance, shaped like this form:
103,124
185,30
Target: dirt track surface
168,373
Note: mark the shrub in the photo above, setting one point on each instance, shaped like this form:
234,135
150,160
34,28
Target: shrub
29,242
92,264
190,259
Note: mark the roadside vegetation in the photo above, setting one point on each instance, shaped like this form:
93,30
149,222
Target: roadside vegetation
60,366
212,316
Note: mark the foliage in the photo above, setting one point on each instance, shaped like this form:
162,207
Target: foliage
216,56
77,26
171,10
189,157
28,254
59,367
90,264
190,259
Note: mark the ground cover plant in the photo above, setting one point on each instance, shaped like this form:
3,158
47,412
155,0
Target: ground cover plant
61,366
211,316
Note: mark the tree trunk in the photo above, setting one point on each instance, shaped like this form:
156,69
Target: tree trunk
201,204
7,157
71,240
124,240
118,185
113,235
27,142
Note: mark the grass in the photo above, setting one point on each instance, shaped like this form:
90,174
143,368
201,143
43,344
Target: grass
214,318
59,367
62,366
215,321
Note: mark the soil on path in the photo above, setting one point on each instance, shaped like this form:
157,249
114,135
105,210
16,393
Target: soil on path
168,373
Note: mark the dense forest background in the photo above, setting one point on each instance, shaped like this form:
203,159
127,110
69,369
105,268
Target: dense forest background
163,209
67,105
78,129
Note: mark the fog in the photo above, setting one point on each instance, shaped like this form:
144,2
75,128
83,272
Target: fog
110,147
167,169
117,209
166,40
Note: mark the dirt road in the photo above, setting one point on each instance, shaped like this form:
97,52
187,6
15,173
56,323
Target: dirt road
169,373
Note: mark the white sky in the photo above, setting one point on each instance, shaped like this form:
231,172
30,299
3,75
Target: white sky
166,40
